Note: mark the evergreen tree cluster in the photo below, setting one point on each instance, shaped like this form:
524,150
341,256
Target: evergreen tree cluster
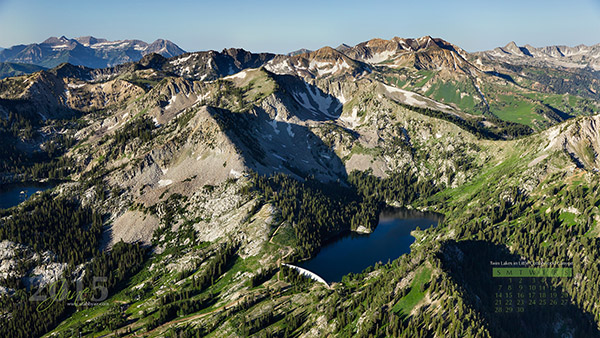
216,267
140,128
55,224
538,233
319,211
262,276
25,318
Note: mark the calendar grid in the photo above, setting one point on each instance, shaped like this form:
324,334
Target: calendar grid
526,288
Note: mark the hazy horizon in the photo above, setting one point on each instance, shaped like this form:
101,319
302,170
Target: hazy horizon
271,26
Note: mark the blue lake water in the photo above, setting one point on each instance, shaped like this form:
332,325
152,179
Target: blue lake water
14,193
354,252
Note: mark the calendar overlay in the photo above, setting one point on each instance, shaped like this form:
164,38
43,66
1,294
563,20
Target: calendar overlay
522,286
532,272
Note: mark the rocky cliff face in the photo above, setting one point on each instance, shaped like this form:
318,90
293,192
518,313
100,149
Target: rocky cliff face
325,62
424,53
581,140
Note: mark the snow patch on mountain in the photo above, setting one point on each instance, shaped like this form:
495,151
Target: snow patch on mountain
72,85
415,99
171,101
279,157
180,60
282,67
323,102
240,75
411,98
315,102
380,57
273,124
326,68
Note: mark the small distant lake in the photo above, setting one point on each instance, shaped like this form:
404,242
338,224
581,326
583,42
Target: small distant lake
355,252
14,193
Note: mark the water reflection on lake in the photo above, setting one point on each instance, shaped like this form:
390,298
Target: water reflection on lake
14,193
354,252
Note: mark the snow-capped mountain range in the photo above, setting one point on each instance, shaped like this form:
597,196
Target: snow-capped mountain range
580,56
86,51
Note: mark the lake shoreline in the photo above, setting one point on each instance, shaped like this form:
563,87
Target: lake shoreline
13,194
352,251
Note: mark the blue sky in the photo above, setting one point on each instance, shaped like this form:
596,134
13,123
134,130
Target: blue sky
279,26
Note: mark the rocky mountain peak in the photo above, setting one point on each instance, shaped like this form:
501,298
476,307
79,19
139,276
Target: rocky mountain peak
425,40
343,47
67,70
153,60
512,48
236,52
424,53
299,51
54,40
165,48
580,56
89,40
327,54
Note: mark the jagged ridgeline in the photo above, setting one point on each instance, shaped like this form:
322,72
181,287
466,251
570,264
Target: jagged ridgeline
185,180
